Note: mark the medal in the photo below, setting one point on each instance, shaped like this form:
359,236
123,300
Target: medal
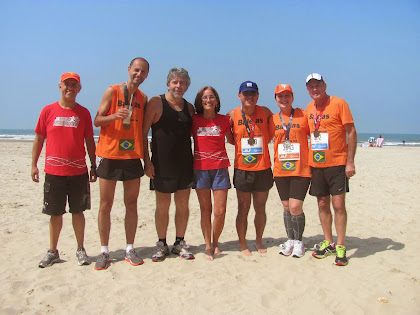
287,144
316,133
251,141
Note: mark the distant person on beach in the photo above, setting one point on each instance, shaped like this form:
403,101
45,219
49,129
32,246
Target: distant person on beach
171,167
211,165
292,174
331,159
67,126
252,177
379,141
120,148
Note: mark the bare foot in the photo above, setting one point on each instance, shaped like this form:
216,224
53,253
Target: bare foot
217,251
260,248
245,251
209,254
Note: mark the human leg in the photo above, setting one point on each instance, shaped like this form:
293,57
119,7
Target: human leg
182,212
340,217
56,224
259,201
204,198
244,203
163,201
131,193
325,217
107,191
220,199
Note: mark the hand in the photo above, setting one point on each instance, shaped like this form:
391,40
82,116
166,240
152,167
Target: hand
121,113
92,175
350,169
35,174
149,169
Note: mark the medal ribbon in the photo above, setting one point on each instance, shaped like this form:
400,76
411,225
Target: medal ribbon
126,97
289,125
317,119
250,130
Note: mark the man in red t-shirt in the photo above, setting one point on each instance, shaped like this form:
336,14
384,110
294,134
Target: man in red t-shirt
331,158
67,126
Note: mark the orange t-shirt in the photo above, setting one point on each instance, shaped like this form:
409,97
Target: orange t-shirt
116,142
335,114
251,162
299,132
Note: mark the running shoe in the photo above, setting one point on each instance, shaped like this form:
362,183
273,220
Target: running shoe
82,257
286,248
103,262
324,249
298,249
161,252
182,249
341,259
50,258
132,258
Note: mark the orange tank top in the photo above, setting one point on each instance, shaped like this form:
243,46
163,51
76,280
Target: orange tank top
251,162
116,142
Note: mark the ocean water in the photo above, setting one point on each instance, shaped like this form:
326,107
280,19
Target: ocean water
391,139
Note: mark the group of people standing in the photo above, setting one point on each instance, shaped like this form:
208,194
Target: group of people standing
125,116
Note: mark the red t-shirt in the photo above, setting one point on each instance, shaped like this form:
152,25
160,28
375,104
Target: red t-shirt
209,142
65,130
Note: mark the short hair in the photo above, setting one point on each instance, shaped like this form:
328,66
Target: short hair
142,59
198,103
178,72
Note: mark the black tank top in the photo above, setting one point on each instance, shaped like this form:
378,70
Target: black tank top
171,142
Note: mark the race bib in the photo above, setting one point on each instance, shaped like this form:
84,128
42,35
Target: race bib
319,143
289,152
252,146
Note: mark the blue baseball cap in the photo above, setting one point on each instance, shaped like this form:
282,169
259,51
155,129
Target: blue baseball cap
248,86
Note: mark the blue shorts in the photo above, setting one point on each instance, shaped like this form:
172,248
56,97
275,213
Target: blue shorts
212,179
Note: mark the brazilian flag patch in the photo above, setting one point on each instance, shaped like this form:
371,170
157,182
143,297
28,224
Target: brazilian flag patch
249,159
319,156
288,165
126,144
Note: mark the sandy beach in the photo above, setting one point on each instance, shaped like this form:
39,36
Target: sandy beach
382,245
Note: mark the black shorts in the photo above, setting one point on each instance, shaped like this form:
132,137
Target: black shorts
329,181
171,184
122,170
58,188
248,181
294,187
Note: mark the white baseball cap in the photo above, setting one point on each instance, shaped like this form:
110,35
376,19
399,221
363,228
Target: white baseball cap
315,76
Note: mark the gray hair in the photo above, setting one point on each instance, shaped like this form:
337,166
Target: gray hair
178,72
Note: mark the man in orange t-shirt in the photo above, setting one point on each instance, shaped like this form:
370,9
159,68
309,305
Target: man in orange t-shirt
331,158
119,150
253,176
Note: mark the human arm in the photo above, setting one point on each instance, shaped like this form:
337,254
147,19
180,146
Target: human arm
152,113
36,151
91,147
267,112
351,149
102,119
230,115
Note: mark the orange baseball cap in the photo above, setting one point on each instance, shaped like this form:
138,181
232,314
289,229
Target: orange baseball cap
283,88
70,75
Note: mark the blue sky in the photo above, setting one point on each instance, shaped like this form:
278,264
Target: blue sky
367,51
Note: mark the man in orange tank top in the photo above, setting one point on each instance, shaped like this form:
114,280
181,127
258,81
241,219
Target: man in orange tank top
253,177
331,158
119,150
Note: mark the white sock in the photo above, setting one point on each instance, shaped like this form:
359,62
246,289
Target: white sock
104,249
129,247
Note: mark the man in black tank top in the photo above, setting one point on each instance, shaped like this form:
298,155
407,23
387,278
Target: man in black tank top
171,167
